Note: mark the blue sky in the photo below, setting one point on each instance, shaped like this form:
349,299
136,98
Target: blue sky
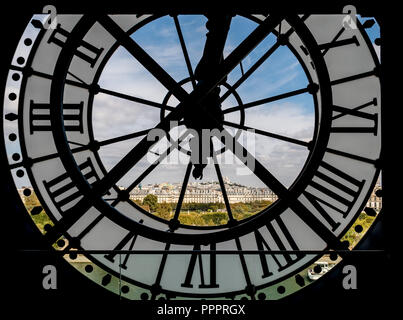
292,117
373,32
278,74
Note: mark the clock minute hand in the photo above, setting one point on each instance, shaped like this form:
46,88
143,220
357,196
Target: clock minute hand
218,27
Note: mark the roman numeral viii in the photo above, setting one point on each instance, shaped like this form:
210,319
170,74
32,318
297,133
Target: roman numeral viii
282,240
85,51
39,117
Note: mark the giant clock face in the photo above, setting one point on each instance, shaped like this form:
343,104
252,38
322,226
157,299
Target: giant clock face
50,109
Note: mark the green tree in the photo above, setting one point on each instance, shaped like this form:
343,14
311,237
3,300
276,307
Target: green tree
40,219
31,200
163,210
138,202
151,201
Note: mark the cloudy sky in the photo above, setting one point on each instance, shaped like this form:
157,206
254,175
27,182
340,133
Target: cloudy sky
291,117
280,73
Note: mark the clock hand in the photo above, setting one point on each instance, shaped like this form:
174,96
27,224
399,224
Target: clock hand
218,26
201,90
101,187
268,134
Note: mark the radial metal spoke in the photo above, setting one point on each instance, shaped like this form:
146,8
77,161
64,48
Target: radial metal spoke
333,40
184,50
182,193
76,77
40,74
76,143
267,134
259,170
201,90
231,219
249,72
141,56
224,193
146,172
135,99
158,161
282,192
135,154
267,100
124,137
81,84
81,148
262,59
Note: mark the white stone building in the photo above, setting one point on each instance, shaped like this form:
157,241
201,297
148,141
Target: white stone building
209,192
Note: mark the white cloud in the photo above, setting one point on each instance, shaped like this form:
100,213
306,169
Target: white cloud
114,117
170,55
284,159
290,67
283,118
201,29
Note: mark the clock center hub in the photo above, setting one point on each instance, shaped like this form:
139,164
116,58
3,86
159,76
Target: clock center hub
207,114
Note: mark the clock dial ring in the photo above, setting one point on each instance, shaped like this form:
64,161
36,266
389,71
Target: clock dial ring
102,66
104,207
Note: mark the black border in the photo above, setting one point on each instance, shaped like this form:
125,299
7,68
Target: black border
23,288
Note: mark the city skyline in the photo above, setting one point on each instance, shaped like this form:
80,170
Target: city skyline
374,201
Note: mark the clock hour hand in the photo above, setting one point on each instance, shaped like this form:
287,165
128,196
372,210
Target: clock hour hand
218,26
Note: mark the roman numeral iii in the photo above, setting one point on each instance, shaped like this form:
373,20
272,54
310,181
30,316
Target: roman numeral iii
39,117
